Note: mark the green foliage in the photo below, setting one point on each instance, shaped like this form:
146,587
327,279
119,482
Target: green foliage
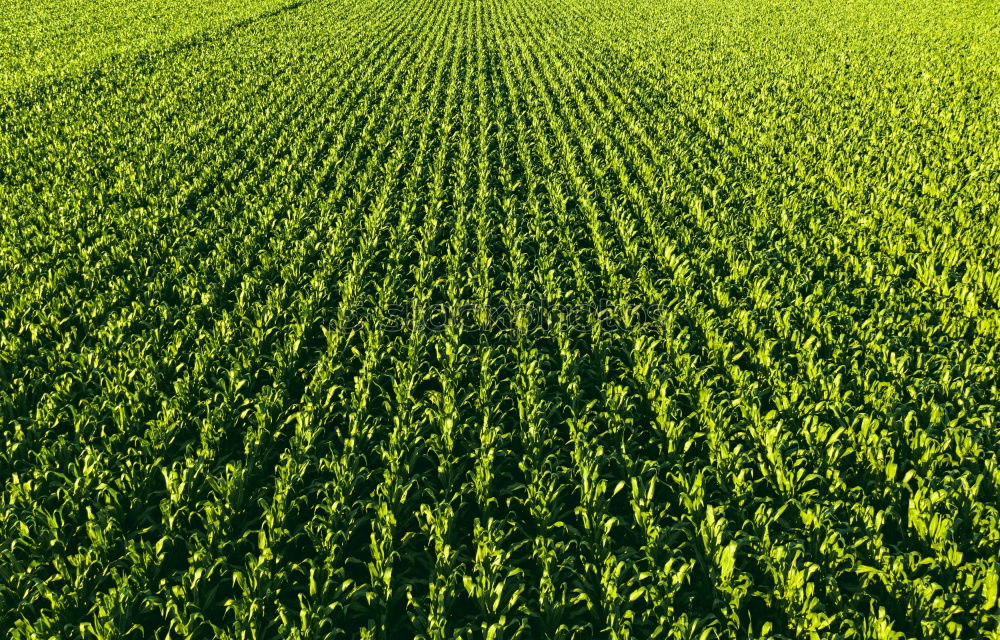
743,261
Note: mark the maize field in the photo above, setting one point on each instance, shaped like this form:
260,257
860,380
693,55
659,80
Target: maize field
499,319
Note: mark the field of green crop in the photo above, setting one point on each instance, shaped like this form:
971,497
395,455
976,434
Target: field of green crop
499,319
